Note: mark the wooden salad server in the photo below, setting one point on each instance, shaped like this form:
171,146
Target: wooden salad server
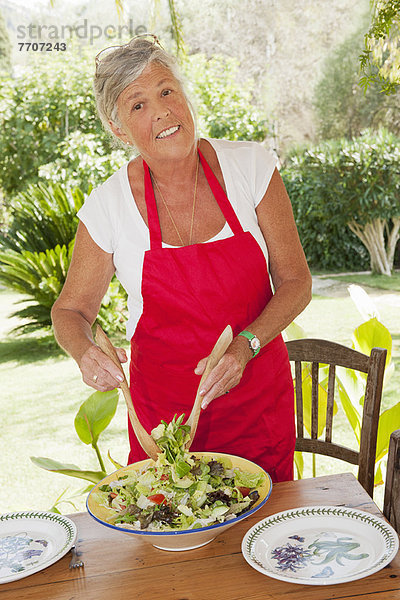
216,354
145,439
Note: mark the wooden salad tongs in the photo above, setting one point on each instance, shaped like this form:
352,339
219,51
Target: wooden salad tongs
145,440
214,357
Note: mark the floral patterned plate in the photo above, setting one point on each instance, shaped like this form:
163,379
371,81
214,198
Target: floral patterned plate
31,541
320,545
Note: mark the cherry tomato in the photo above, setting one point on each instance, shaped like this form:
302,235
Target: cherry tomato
157,498
244,491
164,477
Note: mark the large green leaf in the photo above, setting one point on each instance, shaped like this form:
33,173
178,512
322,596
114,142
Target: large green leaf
95,414
352,414
294,331
365,306
116,464
67,469
372,334
354,384
299,464
378,479
389,420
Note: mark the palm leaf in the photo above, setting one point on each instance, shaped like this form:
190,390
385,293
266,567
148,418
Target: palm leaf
42,217
39,276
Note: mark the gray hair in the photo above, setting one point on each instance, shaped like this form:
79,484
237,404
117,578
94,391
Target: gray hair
120,67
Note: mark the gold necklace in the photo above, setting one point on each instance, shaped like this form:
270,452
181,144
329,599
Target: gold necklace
169,212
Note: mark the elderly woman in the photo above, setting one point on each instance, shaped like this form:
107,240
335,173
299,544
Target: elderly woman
195,230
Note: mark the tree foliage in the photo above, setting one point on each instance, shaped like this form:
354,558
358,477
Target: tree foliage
380,61
225,103
5,47
352,183
342,108
38,110
83,162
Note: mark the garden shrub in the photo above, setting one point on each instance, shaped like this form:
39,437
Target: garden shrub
83,161
346,185
40,276
36,252
225,103
39,109
328,244
42,217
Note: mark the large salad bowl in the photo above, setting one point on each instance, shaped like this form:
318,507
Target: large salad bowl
180,539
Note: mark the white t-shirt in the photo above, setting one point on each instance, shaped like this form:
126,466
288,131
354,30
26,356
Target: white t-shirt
112,218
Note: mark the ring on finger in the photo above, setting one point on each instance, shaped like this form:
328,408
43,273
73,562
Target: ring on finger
95,377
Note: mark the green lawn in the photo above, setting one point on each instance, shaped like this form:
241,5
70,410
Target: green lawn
382,282
42,391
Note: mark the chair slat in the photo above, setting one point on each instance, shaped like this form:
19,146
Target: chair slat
299,399
326,352
370,421
329,403
314,400
391,503
327,449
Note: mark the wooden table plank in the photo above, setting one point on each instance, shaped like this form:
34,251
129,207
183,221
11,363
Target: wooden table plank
119,565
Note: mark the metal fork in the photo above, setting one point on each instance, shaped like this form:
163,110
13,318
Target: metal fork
76,562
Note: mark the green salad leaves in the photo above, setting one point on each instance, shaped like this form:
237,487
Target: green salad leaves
180,491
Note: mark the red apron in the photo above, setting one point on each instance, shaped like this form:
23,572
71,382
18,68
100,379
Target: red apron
190,294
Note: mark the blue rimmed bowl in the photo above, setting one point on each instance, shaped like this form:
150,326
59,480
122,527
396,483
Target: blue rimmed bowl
185,539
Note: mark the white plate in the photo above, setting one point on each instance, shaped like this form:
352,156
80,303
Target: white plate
31,541
320,545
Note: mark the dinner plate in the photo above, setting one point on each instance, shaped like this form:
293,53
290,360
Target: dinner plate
320,545
31,541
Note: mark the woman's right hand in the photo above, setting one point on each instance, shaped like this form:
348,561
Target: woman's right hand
99,371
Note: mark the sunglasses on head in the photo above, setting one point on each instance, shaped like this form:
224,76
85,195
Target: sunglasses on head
106,51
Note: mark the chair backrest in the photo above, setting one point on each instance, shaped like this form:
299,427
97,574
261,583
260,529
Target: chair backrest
323,352
391,502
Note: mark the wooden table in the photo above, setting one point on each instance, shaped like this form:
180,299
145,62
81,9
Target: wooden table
119,566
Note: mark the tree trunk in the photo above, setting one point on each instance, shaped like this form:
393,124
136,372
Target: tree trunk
372,235
392,239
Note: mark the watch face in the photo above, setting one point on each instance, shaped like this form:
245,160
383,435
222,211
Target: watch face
255,343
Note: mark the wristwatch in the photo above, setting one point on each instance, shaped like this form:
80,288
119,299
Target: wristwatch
254,342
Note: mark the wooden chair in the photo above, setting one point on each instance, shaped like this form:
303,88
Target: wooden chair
391,503
318,352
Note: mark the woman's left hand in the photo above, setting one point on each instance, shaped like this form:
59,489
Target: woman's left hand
227,373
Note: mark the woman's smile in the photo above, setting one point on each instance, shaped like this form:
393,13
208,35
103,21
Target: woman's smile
168,132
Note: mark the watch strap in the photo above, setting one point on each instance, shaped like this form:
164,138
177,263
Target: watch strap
250,336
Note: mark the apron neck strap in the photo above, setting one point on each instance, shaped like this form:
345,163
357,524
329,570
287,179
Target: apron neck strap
221,197
216,188
152,213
